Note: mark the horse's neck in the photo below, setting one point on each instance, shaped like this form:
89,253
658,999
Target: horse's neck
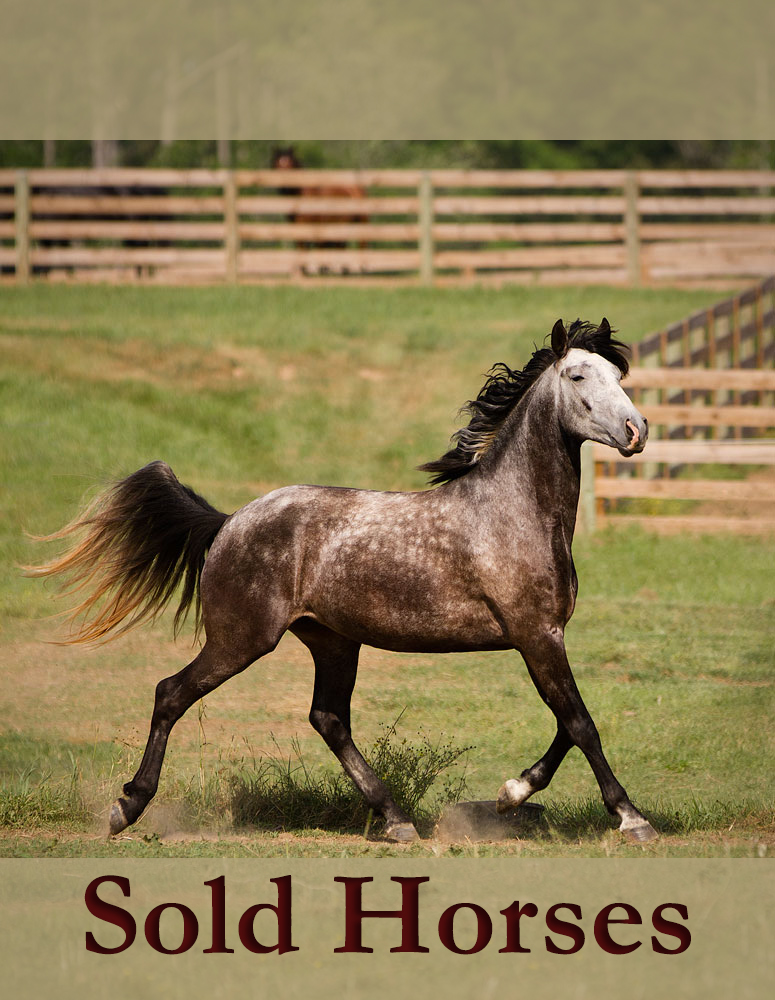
534,462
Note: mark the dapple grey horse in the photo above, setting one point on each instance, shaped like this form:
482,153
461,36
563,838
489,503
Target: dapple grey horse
480,562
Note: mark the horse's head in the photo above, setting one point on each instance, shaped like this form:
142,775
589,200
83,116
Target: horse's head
591,402
284,158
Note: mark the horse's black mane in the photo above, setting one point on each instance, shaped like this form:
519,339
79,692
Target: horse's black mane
502,391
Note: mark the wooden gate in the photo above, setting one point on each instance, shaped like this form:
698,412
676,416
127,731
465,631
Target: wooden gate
707,388
388,226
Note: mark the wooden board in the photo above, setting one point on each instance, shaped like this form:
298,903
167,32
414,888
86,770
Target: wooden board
353,259
105,230
726,232
125,177
328,178
617,487
315,206
704,251
549,179
706,205
368,231
123,256
136,205
742,270
533,257
529,232
700,378
706,178
709,416
695,525
695,452
529,205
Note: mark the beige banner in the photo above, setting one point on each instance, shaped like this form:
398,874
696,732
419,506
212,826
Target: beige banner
186,69
575,929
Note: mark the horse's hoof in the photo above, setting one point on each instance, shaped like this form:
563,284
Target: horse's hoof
117,820
401,833
511,794
643,833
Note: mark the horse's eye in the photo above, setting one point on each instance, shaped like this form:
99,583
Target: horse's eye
577,378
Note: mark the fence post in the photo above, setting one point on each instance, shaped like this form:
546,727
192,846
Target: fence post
231,224
632,227
587,514
425,220
22,226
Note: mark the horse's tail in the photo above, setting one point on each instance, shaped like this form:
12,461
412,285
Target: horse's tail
143,537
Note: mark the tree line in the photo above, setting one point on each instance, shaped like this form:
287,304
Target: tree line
571,154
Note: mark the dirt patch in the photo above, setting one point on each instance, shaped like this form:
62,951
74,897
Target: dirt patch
734,682
83,695
479,822
168,366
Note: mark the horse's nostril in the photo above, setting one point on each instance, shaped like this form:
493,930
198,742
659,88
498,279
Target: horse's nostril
633,434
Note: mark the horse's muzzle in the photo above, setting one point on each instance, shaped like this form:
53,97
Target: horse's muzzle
636,437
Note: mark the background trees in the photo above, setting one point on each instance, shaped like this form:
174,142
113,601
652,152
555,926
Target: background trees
459,153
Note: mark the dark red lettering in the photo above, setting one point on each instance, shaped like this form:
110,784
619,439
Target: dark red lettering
284,925
190,928
409,914
110,913
447,928
218,907
557,926
603,921
672,929
512,913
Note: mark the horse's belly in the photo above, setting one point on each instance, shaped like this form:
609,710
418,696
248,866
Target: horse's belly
404,617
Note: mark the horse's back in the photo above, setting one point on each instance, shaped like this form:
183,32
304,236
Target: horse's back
388,569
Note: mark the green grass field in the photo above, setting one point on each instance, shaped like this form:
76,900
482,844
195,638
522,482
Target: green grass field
242,390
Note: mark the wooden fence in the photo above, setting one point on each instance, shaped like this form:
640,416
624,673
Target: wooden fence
440,226
707,387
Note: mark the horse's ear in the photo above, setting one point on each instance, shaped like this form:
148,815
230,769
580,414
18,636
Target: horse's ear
559,339
604,328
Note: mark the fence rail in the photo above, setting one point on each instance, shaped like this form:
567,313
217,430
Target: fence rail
443,226
707,387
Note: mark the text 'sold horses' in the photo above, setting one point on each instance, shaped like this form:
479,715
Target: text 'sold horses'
481,562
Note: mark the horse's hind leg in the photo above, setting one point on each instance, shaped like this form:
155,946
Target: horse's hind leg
336,664
174,696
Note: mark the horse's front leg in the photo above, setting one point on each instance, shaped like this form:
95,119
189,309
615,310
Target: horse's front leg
548,665
515,791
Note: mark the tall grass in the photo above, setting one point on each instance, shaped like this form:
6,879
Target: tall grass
277,792
573,818
242,390
31,799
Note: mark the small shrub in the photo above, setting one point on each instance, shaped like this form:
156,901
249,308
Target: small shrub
283,793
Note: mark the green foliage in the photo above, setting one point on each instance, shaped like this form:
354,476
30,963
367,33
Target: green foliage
513,154
278,792
31,800
570,819
245,389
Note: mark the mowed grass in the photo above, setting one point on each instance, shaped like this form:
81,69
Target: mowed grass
242,390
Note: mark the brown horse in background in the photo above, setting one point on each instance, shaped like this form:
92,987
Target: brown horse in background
285,158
